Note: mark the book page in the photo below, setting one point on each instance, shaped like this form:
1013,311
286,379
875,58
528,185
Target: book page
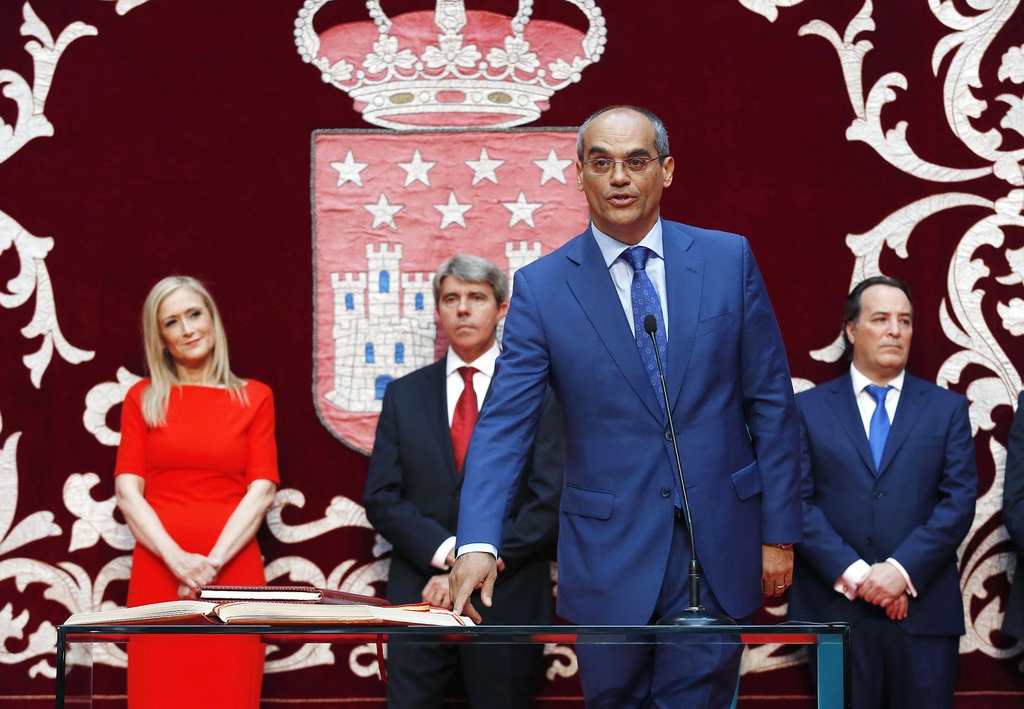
284,613
168,611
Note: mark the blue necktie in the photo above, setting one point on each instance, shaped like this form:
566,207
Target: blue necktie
878,430
646,302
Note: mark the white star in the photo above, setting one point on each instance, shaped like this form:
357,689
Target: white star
483,169
349,170
383,212
452,213
522,211
417,169
554,169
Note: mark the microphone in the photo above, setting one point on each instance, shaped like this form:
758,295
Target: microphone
695,614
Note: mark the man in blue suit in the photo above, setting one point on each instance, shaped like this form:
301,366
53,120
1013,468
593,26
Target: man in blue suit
624,548
889,486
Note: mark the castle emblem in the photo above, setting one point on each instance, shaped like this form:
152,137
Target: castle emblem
390,205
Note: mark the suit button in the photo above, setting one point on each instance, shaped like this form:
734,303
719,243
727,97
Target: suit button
871,541
668,434
666,492
457,494
878,494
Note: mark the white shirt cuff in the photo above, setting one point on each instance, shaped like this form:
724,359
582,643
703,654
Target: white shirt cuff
466,548
847,583
910,586
440,560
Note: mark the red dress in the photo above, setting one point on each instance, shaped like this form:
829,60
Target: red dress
196,469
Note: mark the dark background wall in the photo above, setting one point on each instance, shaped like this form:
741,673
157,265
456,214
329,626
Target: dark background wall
175,137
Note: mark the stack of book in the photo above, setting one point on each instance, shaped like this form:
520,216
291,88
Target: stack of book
274,605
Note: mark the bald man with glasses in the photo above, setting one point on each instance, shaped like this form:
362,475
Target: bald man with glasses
580,320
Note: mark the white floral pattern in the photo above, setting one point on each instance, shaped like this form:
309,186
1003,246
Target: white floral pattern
1012,66
515,55
31,123
449,54
387,55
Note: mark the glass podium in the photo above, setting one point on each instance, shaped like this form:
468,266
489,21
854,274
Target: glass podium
830,642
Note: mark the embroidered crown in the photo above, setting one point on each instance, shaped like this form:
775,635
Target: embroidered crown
451,67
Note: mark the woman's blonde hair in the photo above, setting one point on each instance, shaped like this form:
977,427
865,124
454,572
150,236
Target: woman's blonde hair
162,370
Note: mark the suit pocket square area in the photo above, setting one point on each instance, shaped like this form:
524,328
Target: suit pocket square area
714,324
588,503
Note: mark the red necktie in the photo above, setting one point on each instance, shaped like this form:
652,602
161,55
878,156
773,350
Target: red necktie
464,418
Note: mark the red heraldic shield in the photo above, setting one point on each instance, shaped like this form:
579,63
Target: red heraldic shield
388,209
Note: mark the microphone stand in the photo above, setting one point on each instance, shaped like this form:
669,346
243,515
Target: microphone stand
696,614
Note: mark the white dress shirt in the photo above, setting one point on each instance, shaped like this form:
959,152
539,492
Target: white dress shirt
622,273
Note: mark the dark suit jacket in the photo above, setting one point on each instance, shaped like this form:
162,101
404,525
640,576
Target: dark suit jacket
1013,518
917,509
732,403
413,491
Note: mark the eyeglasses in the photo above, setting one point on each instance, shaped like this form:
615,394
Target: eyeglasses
637,164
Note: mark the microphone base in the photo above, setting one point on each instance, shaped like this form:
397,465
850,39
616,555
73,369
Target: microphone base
695,617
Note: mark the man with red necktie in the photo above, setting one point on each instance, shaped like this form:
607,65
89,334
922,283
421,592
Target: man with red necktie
412,498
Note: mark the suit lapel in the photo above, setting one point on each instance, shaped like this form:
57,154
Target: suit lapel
844,404
907,412
684,276
592,286
434,401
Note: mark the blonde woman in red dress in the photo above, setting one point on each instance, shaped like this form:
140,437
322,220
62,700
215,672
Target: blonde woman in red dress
196,473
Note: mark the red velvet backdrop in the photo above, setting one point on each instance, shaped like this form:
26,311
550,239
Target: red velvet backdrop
141,138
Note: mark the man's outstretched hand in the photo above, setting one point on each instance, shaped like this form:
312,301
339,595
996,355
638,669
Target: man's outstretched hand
472,570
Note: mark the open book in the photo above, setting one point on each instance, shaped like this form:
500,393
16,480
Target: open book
271,613
292,594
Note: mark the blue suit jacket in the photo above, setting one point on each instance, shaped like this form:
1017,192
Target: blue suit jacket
732,403
917,508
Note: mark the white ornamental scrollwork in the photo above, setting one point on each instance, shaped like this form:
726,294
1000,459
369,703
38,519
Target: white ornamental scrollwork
31,122
956,58
35,278
65,583
100,400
